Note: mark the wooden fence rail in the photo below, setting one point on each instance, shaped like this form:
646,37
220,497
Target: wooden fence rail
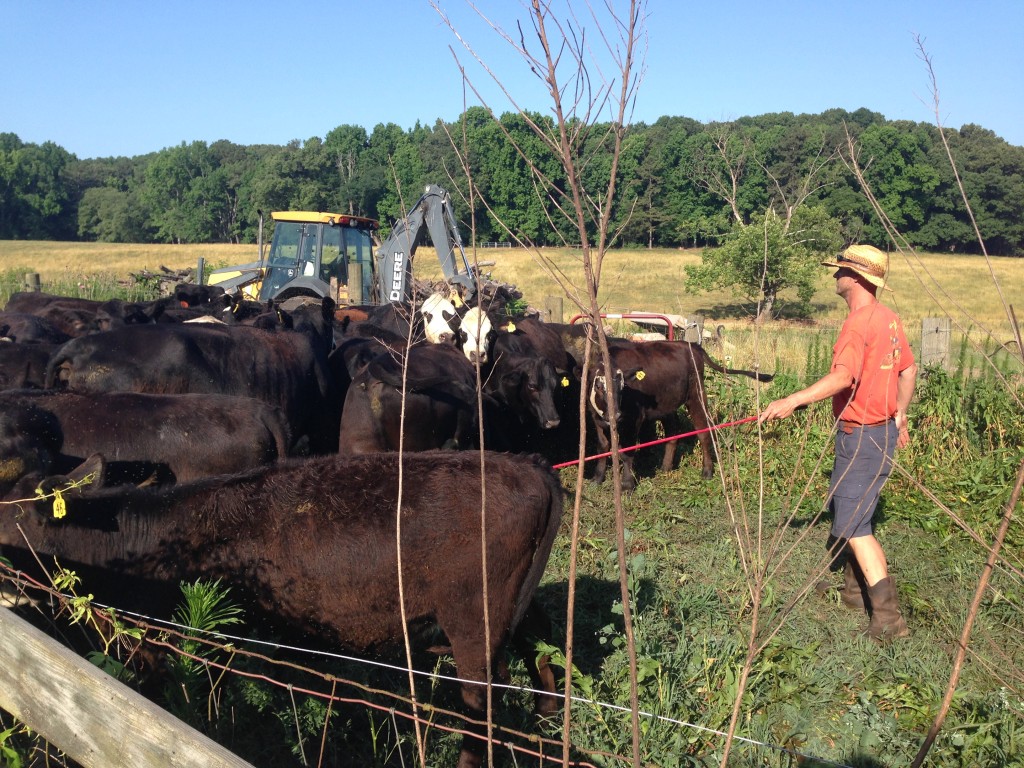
87,714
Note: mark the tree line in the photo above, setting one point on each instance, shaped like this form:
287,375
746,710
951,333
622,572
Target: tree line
683,183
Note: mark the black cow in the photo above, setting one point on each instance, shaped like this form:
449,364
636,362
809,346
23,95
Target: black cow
523,386
73,316
654,380
192,295
30,441
546,339
24,365
440,402
311,547
287,369
187,436
31,329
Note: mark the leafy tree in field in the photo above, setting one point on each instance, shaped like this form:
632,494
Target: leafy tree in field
34,195
894,157
346,146
187,194
111,215
384,144
768,256
515,204
993,176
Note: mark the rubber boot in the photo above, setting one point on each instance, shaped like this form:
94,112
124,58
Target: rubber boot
887,622
852,591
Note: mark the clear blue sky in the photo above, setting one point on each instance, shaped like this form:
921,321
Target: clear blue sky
105,78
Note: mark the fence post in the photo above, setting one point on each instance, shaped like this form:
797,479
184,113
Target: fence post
88,714
32,282
694,331
553,309
935,339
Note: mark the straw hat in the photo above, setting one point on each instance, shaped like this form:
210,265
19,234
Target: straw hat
866,260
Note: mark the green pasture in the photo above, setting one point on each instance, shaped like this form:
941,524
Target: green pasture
705,558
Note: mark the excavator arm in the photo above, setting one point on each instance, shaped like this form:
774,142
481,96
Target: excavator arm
432,214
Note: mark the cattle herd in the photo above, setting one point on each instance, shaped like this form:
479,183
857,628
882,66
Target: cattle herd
206,436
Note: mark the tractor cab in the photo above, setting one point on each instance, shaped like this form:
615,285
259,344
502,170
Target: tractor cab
319,254
312,254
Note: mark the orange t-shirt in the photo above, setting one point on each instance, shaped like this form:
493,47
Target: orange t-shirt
874,348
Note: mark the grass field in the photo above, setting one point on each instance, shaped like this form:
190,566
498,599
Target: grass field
924,285
966,289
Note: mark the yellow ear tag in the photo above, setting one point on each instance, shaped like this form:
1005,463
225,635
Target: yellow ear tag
511,328
565,381
640,375
60,507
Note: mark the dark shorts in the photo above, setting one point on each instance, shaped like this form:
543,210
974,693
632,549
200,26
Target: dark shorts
863,463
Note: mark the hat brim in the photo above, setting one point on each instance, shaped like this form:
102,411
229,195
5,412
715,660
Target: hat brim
878,282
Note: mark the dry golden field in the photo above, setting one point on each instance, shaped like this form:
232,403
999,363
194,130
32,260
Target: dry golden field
974,293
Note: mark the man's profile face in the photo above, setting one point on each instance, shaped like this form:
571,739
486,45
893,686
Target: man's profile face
845,278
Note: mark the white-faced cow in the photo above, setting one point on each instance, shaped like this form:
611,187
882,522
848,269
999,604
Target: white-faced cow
476,335
312,546
653,380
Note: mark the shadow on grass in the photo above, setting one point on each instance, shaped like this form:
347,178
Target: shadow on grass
746,310
596,616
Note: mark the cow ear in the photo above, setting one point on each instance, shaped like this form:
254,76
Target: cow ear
54,490
634,374
514,377
89,473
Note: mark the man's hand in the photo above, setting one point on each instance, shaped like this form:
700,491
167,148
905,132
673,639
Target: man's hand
903,439
779,409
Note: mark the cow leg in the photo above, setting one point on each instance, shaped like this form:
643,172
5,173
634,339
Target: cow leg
629,435
469,650
603,445
672,426
697,407
536,625
628,478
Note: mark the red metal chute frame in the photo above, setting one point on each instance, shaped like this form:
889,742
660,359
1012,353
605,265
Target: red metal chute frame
633,316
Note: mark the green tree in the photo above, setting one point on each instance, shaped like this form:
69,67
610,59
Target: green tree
902,179
187,194
993,177
111,215
769,256
34,195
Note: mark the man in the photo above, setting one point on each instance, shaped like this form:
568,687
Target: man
871,383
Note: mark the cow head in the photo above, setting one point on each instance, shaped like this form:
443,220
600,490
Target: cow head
30,440
476,334
438,314
529,386
603,388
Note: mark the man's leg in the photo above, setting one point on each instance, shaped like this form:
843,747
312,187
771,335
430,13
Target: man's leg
887,622
870,557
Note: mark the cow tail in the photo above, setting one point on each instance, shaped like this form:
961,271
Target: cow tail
722,369
555,494
281,431
57,359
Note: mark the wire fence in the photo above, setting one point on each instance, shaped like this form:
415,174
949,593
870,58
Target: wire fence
221,655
